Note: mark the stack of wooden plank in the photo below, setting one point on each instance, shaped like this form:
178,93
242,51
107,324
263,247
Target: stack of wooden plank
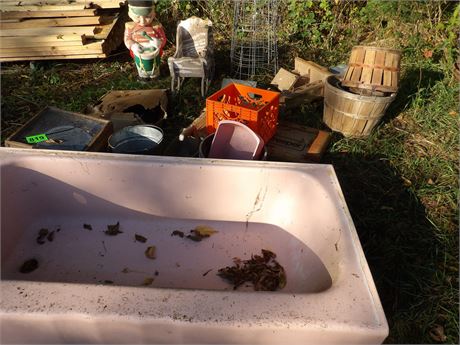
60,29
302,85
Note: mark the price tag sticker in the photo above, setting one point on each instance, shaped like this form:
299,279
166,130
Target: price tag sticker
33,139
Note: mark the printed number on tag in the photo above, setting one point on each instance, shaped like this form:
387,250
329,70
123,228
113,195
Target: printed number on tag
33,139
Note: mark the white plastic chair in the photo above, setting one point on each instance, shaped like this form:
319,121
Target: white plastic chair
194,55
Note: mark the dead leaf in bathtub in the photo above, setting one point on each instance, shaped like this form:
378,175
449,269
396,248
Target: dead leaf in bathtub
268,254
50,236
128,270
204,231
29,266
42,233
282,280
150,252
148,281
195,238
140,238
41,240
113,230
200,232
177,233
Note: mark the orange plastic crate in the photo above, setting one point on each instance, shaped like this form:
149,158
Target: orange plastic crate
256,108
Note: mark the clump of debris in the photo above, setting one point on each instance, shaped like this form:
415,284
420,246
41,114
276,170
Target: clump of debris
113,230
263,271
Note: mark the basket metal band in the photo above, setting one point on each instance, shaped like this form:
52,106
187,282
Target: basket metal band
355,116
386,68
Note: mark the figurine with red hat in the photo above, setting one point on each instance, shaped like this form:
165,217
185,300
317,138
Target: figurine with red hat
145,38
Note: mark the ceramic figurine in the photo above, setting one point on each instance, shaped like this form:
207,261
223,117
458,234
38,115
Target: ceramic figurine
145,38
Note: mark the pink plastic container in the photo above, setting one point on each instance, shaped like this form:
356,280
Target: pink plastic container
234,140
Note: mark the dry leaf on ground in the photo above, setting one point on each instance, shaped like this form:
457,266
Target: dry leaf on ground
437,333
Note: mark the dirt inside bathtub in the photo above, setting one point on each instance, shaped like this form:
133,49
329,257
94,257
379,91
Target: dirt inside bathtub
262,272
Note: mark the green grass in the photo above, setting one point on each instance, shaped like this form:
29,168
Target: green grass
400,183
401,186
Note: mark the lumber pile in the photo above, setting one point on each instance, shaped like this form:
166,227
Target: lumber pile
60,29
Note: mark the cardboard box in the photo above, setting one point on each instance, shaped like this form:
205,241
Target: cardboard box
132,107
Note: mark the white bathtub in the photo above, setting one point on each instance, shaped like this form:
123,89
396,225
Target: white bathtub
295,210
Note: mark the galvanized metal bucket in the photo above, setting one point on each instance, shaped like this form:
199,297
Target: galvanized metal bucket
141,139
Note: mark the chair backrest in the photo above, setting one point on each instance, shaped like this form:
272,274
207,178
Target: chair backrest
192,37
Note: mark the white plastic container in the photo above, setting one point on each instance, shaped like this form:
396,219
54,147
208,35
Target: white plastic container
295,210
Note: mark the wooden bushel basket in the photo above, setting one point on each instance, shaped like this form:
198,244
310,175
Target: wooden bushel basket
350,114
373,68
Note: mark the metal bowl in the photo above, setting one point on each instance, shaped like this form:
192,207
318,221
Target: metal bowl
140,139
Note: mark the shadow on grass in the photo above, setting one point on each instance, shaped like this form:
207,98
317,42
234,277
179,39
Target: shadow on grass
411,82
399,243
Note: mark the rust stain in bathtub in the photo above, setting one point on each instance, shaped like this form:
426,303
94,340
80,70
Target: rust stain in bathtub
83,165
336,244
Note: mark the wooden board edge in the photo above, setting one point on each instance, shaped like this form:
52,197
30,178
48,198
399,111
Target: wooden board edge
54,57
